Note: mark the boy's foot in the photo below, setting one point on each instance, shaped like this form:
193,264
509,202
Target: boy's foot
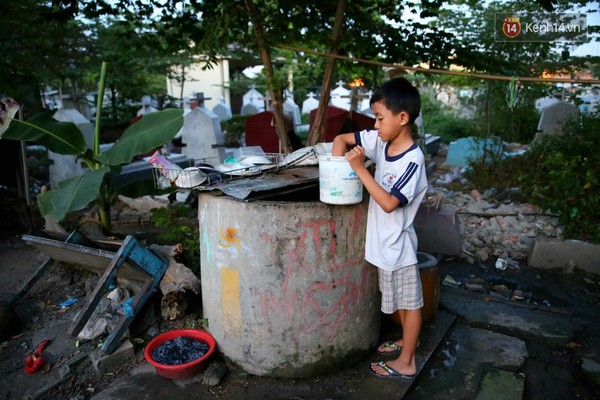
382,370
391,348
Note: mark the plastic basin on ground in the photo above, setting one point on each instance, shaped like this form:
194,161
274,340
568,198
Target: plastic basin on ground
181,371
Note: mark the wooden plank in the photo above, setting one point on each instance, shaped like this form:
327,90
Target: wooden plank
91,259
75,237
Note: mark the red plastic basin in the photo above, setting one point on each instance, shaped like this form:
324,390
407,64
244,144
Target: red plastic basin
181,371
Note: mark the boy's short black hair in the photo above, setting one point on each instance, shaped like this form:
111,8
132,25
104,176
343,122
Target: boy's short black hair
398,95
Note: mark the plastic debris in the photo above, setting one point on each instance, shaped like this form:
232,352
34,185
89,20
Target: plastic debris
128,310
34,361
501,264
68,303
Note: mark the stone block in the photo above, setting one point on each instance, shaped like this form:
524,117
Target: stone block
438,231
103,362
554,253
501,385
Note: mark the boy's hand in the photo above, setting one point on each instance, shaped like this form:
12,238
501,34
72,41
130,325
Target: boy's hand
356,157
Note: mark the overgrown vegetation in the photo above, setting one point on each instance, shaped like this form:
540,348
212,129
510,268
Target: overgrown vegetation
445,123
233,130
170,219
559,173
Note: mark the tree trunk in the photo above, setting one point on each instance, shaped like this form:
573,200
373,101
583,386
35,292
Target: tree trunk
318,124
275,92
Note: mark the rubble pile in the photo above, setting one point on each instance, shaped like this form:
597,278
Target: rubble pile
496,229
498,291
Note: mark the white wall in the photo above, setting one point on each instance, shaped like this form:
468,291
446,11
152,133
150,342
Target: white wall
209,81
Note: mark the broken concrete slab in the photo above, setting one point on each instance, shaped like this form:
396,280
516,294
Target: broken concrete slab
501,385
103,362
438,231
587,355
591,369
550,326
463,359
550,254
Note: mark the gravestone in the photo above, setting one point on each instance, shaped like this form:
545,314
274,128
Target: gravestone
222,110
67,166
340,97
249,109
292,111
365,102
255,98
555,116
146,106
202,137
310,104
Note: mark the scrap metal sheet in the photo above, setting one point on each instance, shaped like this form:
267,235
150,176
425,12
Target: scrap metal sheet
249,187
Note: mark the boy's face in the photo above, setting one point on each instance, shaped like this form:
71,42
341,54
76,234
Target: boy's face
388,125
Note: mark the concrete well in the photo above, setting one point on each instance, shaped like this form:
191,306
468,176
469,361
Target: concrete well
285,287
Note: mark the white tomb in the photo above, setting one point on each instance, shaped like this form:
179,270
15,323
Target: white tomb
365,101
146,106
292,111
222,110
340,96
249,109
255,98
310,104
555,116
202,136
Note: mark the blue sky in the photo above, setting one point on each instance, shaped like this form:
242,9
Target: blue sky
593,47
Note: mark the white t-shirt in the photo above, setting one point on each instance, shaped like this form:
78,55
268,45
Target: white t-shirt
391,241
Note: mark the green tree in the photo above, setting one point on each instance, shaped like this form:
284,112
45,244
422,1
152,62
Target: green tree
40,44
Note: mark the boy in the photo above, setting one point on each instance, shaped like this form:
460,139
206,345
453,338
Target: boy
396,190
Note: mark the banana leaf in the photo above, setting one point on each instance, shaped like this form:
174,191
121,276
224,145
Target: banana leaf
73,194
59,137
152,131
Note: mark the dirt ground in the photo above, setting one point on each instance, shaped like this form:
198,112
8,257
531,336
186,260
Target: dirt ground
67,374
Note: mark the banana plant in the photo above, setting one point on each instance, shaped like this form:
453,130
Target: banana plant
76,193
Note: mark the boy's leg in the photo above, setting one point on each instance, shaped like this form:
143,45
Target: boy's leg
400,289
405,364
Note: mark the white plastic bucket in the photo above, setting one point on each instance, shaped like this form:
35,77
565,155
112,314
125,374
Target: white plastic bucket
338,183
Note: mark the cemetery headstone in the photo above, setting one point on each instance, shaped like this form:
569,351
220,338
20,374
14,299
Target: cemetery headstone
202,137
365,101
340,97
146,106
249,109
310,103
255,98
555,116
222,110
292,111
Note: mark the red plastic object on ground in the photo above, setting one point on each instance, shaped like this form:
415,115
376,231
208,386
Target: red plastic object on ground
182,371
34,361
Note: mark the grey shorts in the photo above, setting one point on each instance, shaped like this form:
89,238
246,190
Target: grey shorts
400,289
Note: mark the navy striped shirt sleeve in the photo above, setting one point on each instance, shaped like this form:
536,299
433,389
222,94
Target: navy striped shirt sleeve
402,182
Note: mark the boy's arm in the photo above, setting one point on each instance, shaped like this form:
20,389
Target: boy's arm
387,201
341,143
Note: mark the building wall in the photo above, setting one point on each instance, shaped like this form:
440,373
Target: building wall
213,82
